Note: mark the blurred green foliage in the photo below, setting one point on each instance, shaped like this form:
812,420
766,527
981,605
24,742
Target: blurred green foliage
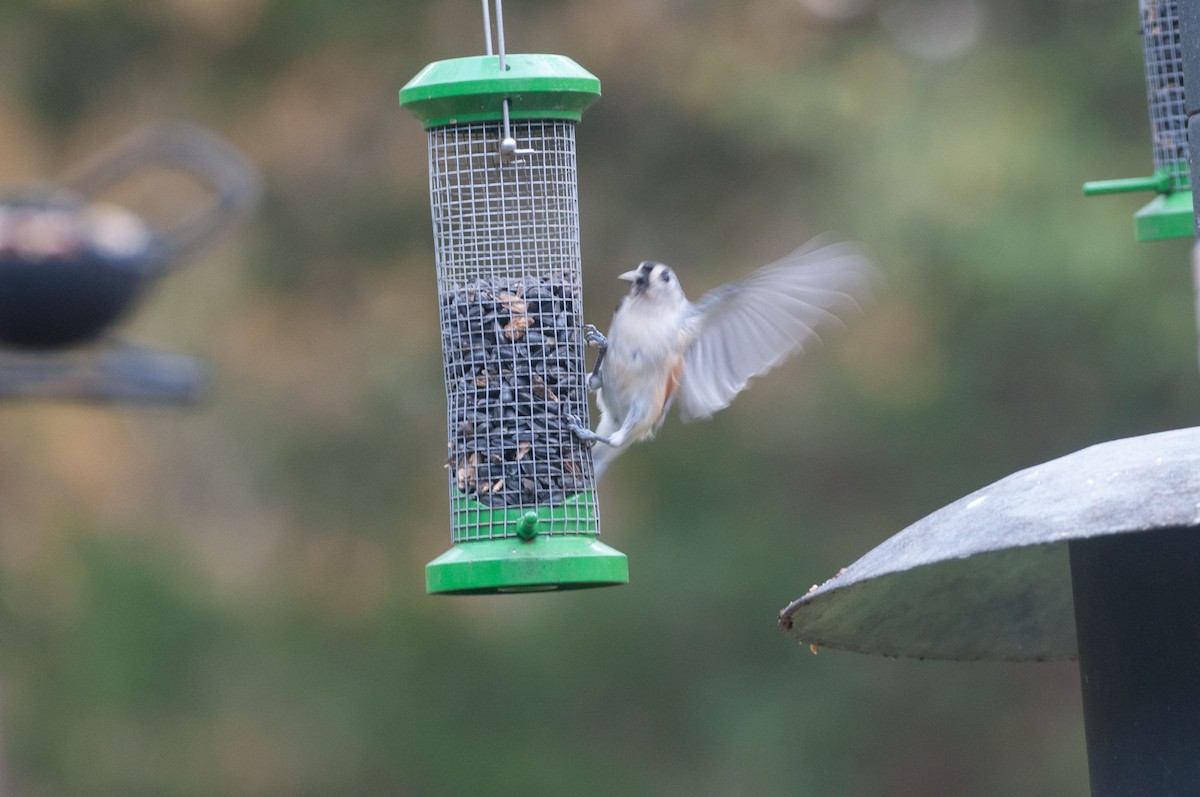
230,600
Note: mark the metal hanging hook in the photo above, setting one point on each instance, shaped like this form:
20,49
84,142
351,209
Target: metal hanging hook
508,147
508,143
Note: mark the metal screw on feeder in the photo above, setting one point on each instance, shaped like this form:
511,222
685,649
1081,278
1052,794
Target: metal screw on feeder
1169,215
504,200
72,265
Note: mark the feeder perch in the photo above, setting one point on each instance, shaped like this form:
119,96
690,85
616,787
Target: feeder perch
1094,556
1168,215
73,265
504,199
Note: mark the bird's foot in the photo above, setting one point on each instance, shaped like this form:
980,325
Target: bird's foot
585,435
595,337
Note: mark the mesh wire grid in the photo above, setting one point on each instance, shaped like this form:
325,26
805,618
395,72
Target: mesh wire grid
506,236
1164,89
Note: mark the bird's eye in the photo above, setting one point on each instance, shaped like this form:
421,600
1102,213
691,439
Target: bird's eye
666,276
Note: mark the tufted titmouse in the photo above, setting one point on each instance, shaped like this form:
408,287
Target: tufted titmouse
661,346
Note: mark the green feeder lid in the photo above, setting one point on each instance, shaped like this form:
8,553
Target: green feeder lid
462,90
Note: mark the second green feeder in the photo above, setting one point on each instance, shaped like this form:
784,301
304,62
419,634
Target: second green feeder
1170,214
504,197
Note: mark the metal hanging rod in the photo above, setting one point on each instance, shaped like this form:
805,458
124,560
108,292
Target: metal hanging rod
499,29
508,144
500,33
487,27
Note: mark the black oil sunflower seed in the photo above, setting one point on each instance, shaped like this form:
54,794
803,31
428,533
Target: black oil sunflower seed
513,363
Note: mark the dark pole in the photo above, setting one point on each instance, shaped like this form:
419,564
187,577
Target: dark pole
1137,619
1189,43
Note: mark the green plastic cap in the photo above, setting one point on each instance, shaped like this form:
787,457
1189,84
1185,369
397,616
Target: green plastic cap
462,90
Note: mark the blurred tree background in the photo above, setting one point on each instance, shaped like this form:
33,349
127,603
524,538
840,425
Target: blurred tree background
230,600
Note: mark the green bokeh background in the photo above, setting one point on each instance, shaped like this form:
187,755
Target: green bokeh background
230,600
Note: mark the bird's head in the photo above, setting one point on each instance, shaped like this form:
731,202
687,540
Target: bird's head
654,281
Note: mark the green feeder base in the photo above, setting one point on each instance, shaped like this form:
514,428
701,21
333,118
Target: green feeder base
1166,216
511,564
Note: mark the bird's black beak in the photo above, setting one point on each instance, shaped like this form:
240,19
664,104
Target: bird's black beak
640,276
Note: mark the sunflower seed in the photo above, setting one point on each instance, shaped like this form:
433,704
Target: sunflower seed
514,369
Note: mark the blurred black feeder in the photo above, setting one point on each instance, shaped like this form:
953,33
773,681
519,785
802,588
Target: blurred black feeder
72,266
1094,556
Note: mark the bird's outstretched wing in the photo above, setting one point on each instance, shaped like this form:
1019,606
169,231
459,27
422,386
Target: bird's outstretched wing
745,328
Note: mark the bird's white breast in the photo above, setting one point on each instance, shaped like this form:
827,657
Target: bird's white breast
645,344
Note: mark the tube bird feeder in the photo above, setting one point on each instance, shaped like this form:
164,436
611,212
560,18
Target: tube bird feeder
504,201
1168,215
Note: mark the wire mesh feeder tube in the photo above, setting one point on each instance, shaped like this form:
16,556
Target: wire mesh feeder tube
504,200
1163,54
